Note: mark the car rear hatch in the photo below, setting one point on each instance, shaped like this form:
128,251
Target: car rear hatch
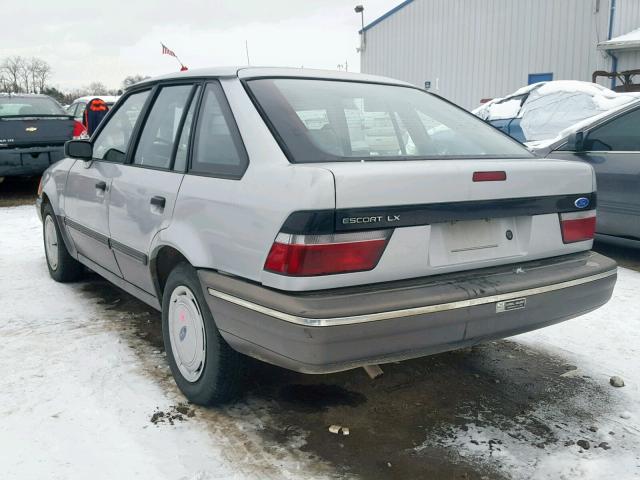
444,193
443,216
477,212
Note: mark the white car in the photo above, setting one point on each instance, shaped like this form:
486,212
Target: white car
79,105
263,220
539,112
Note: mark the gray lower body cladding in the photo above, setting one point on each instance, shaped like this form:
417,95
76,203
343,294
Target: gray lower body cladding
333,330
28,160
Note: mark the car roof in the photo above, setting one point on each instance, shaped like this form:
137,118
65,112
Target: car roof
245,73
24,95
105,98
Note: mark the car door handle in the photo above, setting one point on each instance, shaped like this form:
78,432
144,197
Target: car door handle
101,186
158,201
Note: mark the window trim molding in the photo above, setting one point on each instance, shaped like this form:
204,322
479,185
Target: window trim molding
196,91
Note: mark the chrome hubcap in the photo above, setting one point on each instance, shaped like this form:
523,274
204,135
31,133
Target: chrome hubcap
51,242
186,333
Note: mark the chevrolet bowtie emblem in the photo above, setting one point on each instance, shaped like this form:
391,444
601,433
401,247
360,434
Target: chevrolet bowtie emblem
31,129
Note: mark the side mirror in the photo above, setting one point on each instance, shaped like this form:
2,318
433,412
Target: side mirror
575,142
81,149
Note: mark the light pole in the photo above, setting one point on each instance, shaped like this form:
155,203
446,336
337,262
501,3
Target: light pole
363,39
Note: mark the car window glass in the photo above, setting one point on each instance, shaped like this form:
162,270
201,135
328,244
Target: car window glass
621,134
21,105
113,140
183,143
159,131
324,120
217,146
80,110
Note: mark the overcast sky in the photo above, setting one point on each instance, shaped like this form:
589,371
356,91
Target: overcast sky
86,40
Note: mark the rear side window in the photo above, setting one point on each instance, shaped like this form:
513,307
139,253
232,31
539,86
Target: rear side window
326,120
159,132
113,139
621,134
217,148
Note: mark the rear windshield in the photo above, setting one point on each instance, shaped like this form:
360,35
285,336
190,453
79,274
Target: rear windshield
29,106
325,121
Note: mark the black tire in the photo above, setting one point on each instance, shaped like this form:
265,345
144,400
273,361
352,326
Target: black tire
67,268
223,377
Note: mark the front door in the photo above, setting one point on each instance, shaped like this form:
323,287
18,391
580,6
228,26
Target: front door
143,193
86,207
88,188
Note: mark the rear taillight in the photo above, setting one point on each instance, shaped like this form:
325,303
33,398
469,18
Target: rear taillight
40,187
79,131
310,255
578,226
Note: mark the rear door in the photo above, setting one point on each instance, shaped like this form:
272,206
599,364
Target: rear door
144,190
613,150
88,186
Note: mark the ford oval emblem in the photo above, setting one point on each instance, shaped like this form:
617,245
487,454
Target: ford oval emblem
582,202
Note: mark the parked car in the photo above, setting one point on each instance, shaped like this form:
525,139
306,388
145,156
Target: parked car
540,111
33,129
79,105
258,230
610,143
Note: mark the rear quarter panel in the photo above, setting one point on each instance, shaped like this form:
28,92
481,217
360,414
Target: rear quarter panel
54,180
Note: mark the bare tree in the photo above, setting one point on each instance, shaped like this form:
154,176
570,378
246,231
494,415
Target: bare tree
98,88
132,79
12,68
40,73
19,75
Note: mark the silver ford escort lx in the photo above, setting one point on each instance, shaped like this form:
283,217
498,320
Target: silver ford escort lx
319,221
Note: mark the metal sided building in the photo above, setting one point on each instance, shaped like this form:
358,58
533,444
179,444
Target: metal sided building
469,50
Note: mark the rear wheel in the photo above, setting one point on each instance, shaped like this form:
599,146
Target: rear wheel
205,368
62,266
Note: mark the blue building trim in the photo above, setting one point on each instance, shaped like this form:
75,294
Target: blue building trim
539,77
388,14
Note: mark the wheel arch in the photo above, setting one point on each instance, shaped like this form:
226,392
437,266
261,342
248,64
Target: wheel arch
162,261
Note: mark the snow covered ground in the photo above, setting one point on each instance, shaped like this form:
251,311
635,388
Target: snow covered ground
603,343
77,396
75,402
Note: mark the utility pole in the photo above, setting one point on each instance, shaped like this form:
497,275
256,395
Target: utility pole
246,48
363,35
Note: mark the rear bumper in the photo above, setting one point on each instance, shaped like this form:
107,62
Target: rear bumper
333,330
29,160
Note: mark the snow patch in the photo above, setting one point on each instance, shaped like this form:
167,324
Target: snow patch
76,401
602,343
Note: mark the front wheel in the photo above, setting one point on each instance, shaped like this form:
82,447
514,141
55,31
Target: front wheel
205,368
62,266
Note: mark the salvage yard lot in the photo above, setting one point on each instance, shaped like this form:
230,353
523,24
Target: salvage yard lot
85,392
